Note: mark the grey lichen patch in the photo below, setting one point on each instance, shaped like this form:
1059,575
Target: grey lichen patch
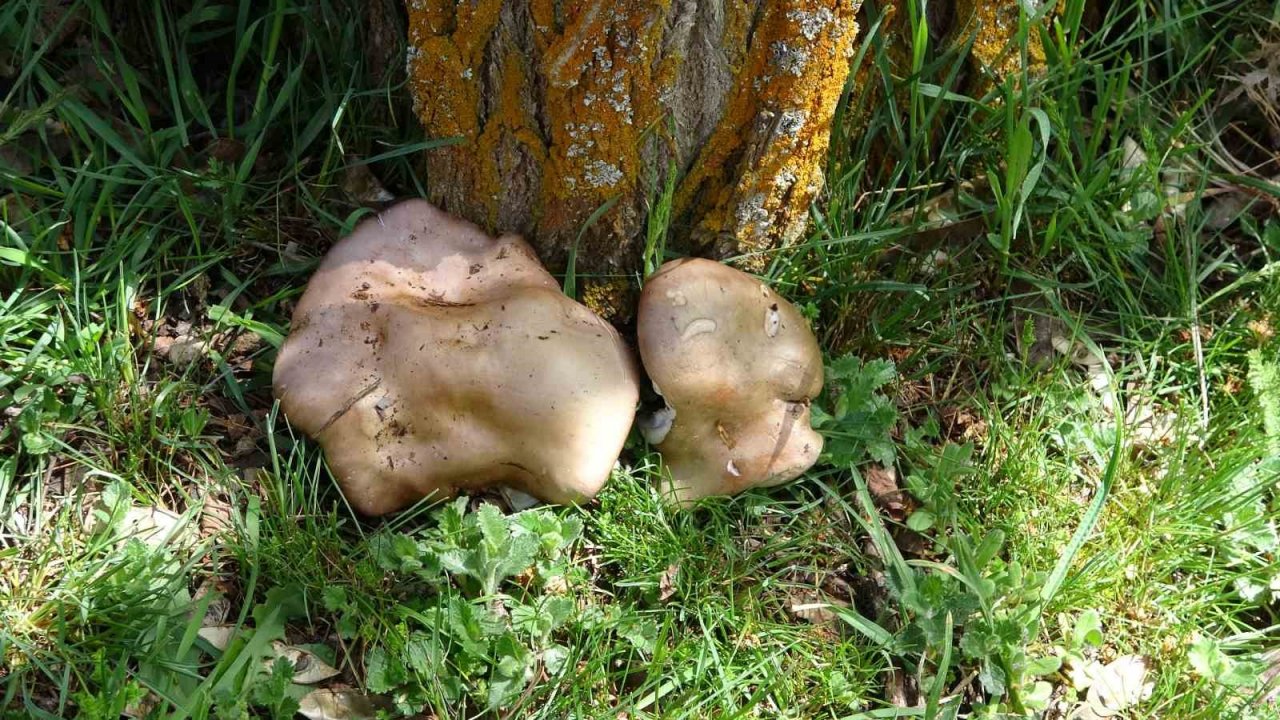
792,122
787,58
602,174
811,22
581,134
601,55
620,100
410,60
752,211
785,178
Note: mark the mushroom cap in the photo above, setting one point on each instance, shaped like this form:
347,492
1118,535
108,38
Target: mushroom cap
427,358
738,364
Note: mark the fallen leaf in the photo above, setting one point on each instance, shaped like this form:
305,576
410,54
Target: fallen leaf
308,669
215,516
1148,425
898,689
330,704
186,350
226,150
1271,676
518,500
219,636
219,608
1259,81
1112,688
152,526
667,583
1134,156
363,186
1223,211
882,482
814,606
244,345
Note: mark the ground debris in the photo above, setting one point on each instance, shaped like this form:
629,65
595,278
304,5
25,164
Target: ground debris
882,482
341,704
1110,689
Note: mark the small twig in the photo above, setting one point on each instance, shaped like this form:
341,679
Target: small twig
528,691
1198,346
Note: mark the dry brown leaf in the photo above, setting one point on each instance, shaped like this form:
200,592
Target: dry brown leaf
308,669
882,482
219,636
1113,688
363,186
899,691
339,704
185,350
815,606
215,516
667,583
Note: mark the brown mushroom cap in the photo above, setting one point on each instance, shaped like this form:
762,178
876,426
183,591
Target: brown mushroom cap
428,358
738,365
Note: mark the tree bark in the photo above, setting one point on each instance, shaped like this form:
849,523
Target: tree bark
563,108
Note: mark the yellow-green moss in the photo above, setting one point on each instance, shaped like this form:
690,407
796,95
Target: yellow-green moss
611,298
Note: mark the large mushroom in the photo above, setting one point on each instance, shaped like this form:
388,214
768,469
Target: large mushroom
428,358
737,366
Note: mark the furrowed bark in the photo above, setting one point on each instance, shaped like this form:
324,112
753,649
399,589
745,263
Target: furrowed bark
562,107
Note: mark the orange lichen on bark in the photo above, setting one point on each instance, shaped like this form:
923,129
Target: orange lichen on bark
601,94
443,67
996,53
551,101
754,180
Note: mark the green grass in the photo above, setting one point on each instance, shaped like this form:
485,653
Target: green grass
175,174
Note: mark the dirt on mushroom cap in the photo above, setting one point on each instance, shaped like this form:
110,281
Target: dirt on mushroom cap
428,358
739,365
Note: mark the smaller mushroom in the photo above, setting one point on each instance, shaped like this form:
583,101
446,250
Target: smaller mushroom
737,366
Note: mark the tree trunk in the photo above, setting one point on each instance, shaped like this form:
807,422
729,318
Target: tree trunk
562,107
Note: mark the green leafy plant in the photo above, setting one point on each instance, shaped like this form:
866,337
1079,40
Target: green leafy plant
992,605
1264,377
934,483
484,597
856,419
